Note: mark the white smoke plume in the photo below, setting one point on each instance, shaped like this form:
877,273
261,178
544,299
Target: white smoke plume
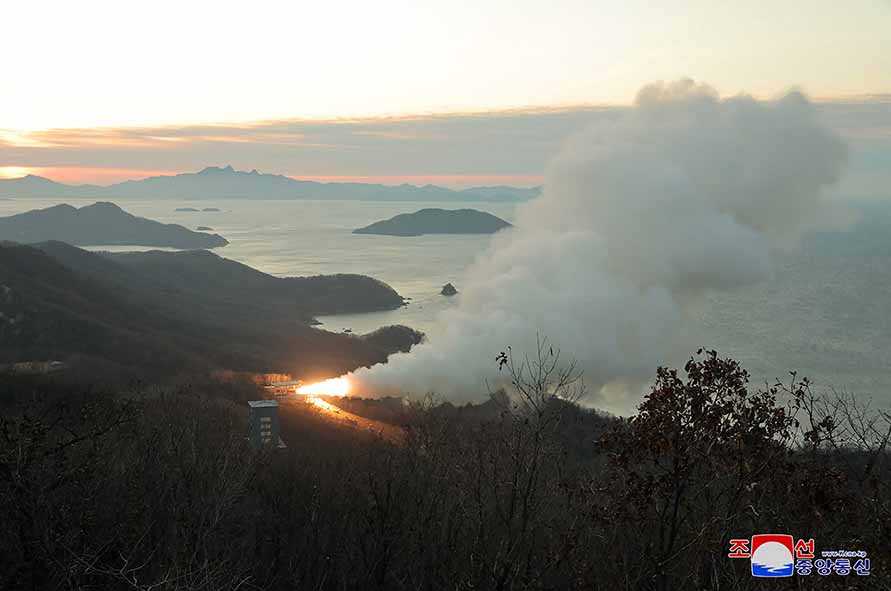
682,193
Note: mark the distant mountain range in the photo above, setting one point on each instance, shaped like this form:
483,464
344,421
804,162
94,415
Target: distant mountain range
100,224
227,183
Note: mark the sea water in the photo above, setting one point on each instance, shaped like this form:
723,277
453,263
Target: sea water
826,313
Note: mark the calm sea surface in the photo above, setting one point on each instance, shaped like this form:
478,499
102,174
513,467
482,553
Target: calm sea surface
826,314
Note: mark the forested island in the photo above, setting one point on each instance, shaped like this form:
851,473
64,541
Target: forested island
437,221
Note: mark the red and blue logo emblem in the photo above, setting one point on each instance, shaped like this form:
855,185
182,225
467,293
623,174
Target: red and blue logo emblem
772,555
779,555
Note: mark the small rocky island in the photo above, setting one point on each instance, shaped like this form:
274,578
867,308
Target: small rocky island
189,209
448,290
211,209
437,221
100,224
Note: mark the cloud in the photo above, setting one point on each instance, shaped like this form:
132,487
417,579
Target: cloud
497,144
641,215
513,146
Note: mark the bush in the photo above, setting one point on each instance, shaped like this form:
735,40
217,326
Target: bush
156,489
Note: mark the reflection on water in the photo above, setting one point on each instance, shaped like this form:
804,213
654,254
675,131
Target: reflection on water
826,315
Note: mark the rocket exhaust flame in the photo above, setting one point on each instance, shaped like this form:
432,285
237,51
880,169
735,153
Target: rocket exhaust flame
339,388
324,405
333,387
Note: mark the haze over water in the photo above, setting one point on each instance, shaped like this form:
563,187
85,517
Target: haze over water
826,315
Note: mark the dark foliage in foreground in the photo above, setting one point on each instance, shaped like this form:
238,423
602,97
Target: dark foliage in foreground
157,490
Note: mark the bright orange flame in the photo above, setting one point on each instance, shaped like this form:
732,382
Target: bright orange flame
324,405
333,387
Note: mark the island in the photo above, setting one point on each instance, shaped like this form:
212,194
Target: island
204,229
189,209
211,209
100,224
448,290
437,221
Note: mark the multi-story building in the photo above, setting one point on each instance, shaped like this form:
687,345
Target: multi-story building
263,424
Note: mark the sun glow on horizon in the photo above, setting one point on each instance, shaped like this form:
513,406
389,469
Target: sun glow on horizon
332,387
14,172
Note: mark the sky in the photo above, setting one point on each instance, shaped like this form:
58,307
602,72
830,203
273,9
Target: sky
197,79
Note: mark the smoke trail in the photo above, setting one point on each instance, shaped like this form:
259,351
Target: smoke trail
681,194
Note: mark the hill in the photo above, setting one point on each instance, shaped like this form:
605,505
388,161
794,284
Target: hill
38,186
216,182
162,311
220,290
100,224
437,221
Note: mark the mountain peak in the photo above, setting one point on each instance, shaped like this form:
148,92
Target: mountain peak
226,181
32,178
103,206
217,170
